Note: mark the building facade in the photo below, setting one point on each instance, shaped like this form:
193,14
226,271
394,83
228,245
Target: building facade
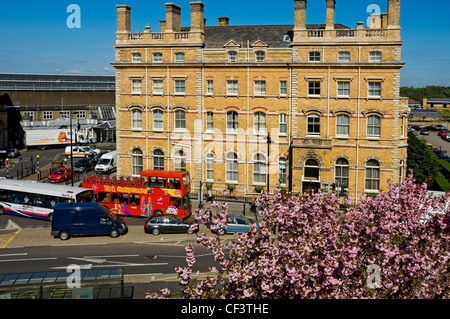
249,107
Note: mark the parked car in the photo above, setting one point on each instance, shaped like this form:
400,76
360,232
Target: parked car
441,127
446,137
166,223
84,165
61,175
82,151
443,132
13,153
237,224
425,132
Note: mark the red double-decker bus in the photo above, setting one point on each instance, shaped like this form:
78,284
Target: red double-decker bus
153,193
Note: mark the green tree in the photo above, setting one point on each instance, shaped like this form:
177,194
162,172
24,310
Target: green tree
421,160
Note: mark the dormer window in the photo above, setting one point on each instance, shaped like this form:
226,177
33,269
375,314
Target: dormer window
232,56
260,56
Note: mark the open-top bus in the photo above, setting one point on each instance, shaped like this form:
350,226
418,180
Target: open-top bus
38,200
153,193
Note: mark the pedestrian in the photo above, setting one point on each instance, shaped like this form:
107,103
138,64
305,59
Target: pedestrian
209,197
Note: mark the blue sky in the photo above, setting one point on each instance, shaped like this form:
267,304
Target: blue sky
35,37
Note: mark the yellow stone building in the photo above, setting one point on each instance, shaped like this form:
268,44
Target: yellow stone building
208,99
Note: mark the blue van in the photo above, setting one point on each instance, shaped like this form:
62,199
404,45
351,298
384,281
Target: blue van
85,219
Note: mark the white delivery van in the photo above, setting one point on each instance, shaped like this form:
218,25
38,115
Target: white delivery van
107,163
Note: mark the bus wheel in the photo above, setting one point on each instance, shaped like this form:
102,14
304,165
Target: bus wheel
156,231
64,235
114,233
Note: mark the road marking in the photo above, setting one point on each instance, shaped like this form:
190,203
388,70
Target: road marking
10,255
112,256
28,259
7,242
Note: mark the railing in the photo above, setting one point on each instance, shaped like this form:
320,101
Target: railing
135,36
158,36
375,33
315,33
345,33
181,35
348,33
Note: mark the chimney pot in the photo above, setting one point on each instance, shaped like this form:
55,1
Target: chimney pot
224,21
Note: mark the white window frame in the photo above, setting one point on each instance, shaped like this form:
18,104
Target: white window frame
371,180
344,56
158,159
137,162
260,56
136,86
180,57
136,57
283,123
282,171
283,88
375,56
373,127
157,57
232,56
314,56
373,91
259,123
232,87
259,169
180,87
158,87
136,119
343,89
259,87
209,121
81,114
314,118
342,129
158,120
179,122
209,87
233,122
312,85
209,167
232,168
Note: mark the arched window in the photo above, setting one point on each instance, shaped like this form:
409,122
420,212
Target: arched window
180,120
313,124
137,162
158,120
232,173
180,161
372,175
136,119
158,160
311,169
373,126
259,122
232,121
343,125
259,169
341,173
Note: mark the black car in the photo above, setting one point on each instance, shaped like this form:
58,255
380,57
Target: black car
84,165
166,224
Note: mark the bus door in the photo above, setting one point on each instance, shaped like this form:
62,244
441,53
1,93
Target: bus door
134,207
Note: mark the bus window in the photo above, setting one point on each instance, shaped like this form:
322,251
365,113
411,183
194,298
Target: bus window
135,199
173,183
144,181
120,198
186,202
157,182
186,180
104,198
85,197
175,201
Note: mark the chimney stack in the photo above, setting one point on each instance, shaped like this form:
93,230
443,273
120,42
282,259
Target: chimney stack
393,14
173,17
123,19
224,21
197,16
300,14
331,7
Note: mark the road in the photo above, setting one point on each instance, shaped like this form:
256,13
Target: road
436,141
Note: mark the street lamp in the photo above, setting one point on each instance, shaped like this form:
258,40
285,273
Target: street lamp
38,169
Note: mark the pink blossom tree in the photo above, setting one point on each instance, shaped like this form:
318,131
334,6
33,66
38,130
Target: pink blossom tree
392,246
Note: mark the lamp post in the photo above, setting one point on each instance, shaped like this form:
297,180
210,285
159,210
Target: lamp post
38,169
7,168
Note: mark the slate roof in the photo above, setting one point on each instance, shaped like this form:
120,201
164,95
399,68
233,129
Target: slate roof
276,36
